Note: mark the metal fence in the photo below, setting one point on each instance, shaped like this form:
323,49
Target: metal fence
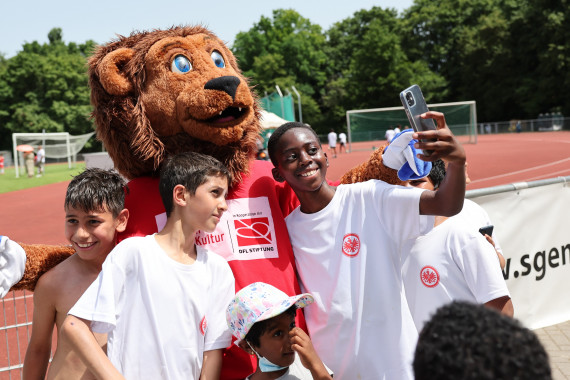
15,330
543,123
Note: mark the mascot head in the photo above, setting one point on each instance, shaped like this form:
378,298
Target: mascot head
163,92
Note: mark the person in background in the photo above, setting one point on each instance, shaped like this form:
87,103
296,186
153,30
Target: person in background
389,135
29,162
466,341
342,139
332,142
453,261
40,160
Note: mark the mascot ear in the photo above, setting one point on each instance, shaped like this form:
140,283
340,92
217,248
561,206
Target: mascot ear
111,74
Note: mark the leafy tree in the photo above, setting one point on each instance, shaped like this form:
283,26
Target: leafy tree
45,87
368,67
285,50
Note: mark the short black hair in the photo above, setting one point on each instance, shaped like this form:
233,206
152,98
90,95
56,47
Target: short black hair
276,136
97,190
466,341
437,173
189,169
258,329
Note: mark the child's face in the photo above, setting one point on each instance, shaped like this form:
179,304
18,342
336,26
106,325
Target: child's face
274,343
300,160
205,208
92,234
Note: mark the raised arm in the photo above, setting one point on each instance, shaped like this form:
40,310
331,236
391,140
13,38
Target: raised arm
448,200
78,335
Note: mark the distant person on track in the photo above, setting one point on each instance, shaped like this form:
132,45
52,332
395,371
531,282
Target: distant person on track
389,135
342,139
94,214
40,160
332,142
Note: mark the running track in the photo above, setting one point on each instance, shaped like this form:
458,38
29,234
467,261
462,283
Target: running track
36,215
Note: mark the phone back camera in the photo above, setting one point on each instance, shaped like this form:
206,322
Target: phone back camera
410,99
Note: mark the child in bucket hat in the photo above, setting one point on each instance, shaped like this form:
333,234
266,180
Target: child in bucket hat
262,318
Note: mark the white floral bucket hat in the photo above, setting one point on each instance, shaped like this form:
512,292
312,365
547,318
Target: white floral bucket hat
257,302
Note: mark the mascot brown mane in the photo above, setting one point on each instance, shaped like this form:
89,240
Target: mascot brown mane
144,110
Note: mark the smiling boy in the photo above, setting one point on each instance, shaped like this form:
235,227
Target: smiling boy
161,298
94,214
347,241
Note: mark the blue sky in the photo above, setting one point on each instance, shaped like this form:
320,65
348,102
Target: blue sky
27,21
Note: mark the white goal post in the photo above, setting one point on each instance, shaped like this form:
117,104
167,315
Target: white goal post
371,124
56,145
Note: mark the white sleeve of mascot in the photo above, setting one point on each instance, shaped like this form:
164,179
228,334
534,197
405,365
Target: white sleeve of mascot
12,264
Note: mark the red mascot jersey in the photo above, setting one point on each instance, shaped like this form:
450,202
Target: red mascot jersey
252,236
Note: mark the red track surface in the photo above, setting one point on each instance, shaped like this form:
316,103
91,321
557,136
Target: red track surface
36,215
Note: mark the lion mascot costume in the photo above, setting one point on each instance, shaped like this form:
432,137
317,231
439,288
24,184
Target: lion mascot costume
162,92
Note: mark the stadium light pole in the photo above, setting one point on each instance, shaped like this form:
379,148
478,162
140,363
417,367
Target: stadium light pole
298,97
282,106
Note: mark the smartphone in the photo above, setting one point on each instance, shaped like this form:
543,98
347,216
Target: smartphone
487,230
415,105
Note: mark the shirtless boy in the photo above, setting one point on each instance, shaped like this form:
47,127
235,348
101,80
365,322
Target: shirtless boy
94,214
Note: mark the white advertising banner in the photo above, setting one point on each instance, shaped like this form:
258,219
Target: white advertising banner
533,227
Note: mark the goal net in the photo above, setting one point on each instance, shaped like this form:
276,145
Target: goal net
372,124
56,145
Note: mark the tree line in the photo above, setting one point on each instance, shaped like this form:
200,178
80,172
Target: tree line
511,56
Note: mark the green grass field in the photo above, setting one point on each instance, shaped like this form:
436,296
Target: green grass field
53,173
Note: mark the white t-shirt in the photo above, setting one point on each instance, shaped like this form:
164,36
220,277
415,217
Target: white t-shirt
297,371
451,262
161,315
41,156
332,139
476,217
390,135
347,256
342,138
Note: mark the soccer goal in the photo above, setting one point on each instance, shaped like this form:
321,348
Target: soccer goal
56,145
372,124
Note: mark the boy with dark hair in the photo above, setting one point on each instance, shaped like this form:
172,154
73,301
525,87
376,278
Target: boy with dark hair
161,298
465,341
347,241
94,214
262,318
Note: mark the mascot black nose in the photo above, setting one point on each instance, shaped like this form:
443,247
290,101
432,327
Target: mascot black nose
227,84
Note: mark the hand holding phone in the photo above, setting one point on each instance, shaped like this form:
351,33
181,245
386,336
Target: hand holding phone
487,230
415,105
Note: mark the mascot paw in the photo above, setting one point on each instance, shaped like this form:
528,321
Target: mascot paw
401,155
12,264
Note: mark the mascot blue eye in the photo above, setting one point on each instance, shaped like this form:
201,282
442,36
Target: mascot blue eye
181,64
218,59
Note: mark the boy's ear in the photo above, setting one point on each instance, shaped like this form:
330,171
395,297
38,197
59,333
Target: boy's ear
277,175
179,195
327,159
122,220
244,346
